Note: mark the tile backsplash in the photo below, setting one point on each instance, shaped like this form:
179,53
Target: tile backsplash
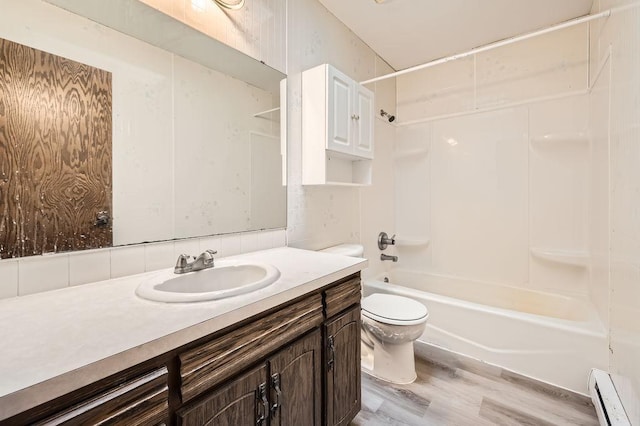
20,277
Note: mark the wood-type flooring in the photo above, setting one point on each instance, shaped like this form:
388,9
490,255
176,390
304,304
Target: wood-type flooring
468,392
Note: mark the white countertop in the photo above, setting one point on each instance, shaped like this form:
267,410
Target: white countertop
59,341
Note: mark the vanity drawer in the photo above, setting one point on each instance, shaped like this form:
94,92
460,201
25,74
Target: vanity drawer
141,401
208,365
342,296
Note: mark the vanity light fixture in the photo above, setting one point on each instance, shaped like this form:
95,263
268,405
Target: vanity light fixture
231,4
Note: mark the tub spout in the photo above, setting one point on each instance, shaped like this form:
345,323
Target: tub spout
387,257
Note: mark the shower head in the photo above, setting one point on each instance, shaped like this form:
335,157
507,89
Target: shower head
389,116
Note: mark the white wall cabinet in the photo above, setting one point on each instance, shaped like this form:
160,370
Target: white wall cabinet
337,128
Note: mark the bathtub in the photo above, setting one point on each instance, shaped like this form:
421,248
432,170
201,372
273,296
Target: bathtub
550,337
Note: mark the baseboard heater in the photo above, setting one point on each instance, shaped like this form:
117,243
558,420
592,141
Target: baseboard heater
606,400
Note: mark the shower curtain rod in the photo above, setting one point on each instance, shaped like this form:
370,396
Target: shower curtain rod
490,46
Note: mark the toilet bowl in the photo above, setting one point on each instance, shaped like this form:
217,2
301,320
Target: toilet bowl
390,325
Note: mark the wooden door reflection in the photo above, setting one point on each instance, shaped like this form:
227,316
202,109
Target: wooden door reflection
55,153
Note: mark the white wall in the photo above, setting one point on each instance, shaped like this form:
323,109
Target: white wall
498,177
615,119
258,29
319,217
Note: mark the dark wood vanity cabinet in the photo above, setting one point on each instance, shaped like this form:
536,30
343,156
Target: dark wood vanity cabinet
296,383
241,402
341,333
343,367
284,390
296,364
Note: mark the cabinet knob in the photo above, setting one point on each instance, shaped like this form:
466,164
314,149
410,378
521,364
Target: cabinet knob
355,117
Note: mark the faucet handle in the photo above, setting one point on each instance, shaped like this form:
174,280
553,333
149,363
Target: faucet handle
181,263
384,241
207,257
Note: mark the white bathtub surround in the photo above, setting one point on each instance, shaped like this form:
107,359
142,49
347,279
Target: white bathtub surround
36,274
487,181
494,169
93,331
615,125
496,190
553,338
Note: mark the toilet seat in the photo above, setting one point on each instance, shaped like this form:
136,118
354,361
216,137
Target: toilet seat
394,310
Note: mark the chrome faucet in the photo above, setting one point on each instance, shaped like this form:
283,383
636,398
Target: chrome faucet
203,261
387,257
384,241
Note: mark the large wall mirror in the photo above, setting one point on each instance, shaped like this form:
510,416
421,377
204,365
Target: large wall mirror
197,148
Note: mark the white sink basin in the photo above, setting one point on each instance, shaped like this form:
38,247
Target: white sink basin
227,278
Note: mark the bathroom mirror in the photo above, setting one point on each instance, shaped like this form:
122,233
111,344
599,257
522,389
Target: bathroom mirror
196,127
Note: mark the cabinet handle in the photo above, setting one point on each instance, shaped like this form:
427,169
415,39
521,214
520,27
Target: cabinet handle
332,353
355,117
262,397
275,383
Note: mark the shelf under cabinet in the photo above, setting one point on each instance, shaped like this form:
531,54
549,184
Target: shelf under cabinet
345,170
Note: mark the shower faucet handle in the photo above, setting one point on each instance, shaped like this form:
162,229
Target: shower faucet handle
384,241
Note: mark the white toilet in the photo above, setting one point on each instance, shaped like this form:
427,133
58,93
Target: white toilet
390,325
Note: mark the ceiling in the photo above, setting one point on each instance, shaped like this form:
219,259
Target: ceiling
411,32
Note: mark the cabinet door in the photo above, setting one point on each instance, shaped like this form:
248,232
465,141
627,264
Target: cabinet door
364,112
243,402
296,383
343,367
339,117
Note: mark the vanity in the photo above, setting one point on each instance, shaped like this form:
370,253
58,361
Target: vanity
286,354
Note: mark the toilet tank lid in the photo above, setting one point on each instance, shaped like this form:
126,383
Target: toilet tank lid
395,308
353,250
